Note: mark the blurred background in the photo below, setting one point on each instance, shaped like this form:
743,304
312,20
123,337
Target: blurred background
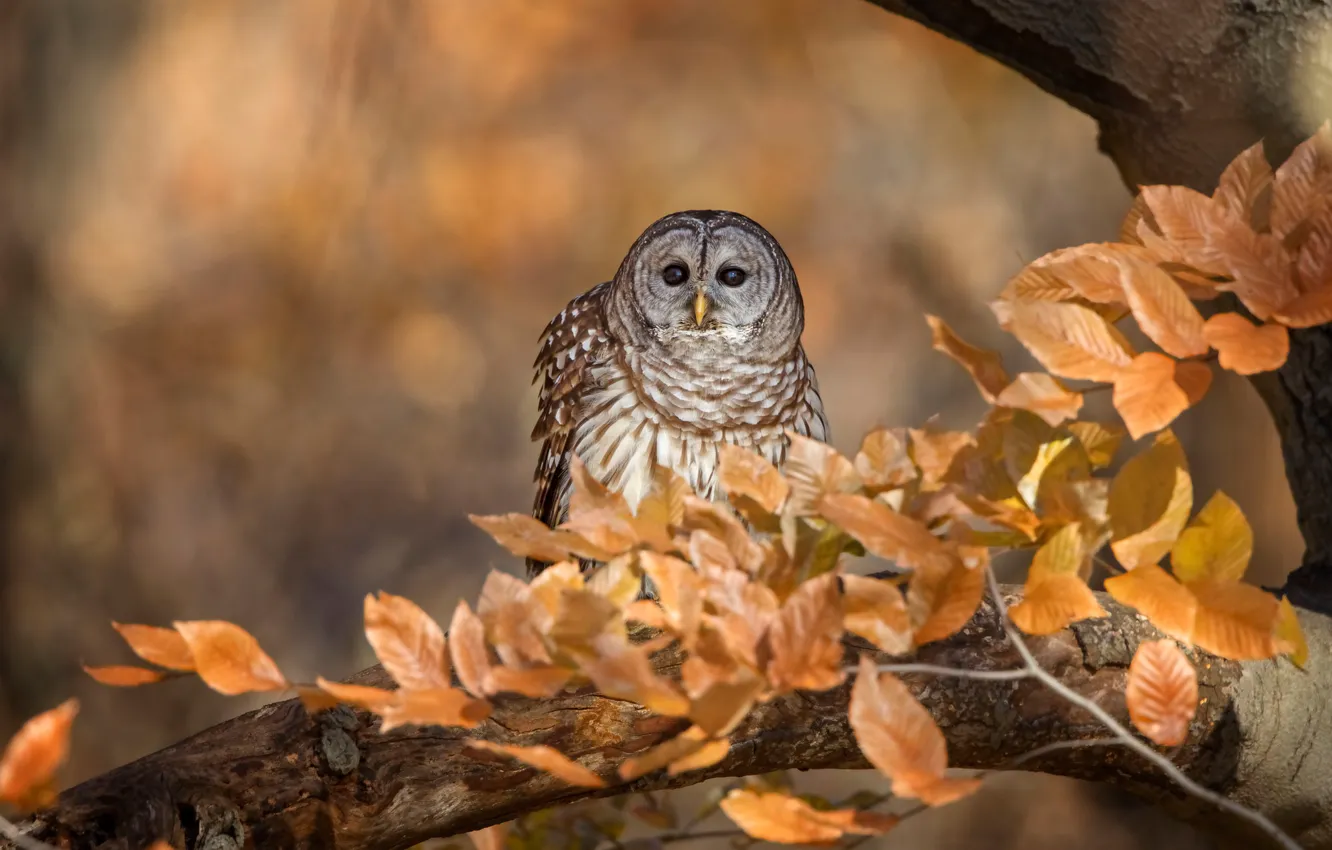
272,277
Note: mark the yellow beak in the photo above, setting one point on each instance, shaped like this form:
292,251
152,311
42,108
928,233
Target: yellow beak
700,307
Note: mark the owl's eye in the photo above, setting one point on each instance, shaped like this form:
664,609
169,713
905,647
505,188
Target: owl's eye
731,277
674,274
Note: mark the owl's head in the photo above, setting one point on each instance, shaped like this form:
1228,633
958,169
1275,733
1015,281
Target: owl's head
708,277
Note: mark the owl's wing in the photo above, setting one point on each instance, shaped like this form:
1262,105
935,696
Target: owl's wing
572,341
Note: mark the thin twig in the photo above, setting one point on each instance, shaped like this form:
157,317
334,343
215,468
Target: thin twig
1062,745
1129,740
13,833
958,672
678,837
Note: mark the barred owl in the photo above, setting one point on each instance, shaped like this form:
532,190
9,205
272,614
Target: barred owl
694,342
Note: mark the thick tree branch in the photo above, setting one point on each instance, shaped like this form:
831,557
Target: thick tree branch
280,778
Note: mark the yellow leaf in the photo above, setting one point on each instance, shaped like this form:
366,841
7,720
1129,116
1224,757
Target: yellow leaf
1162,692
985,366
1217,544
35,752
941,598
883,531
164,647
1065,553
1054,602
1070,340
1150,500
1161,599
406,641
1289,635
545,758
664,503
1101,441
124,676
876,611
1245,348
228,658
1042,395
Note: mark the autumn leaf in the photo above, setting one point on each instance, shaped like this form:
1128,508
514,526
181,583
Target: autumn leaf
883,531
664,503
704,757
1309,310
687,743
1234,620
1300,181
1154,390
941,598
434,707
528,537
883,462
1162,692
406,641
622,671
1191,223
805,638
935,451
1101,441
467,647
742,472
1150,500
589,494
1163,310
545,758
985,367
1217,544
877,611
815,469
781,818
1289,636
362,696
1245,348
1041,394
897,735
32,756
533,682
228,658
156,645
1056,593
1161,599
1070,340
1245,187
1260,266
124,676
490,838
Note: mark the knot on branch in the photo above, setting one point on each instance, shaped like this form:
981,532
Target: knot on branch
337,747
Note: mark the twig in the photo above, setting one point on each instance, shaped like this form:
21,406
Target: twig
1125,736
678,837
958,672
13,833
1062,745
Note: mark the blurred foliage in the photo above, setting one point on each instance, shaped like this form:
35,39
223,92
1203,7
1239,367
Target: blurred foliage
273,276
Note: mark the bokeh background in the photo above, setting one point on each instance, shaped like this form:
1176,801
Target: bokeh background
272,277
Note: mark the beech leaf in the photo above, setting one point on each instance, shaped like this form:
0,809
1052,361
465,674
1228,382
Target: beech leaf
1162,692
228,658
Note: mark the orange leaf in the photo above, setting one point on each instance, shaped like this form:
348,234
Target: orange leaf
934,451
406,641
1162,309
883,461
1301,181
228,658
362,696
39,747
1042,395
1244,184
778,817
1148,393
534,682
876,610
467,647
742,472
1289,636
705,756
1150,500
805,638
1191,222
1245,348
941,599
895,732
1054,603
1100,440
815,469
1167,603
490,838
884,531
1162,692
122,676
548,759
434,707
687,743
156,645
985,366
1235,620
1070,340
590,495
528,537
1260,266
621,671
1308,310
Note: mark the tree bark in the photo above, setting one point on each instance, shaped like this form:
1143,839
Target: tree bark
278,777
1178,88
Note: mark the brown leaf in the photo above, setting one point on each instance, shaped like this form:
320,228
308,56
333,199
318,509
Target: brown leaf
1148,393
156,645
1245,348
615,532
1309,310
1260,266
1100,440
941,598
805,638
1150,501
362,696
895,732
877,611
1070,340
664,503
1162,692
685,744
883,531
1301,181
228,658
533,682
742,472
621,671
123,676
781,818
1043,395
1053,603
434,707
32,756
406,641
528,537
883,462
679,592
545,758
1246,186
1216,545
590,495
467,647
1162,309
705,756
1161,599
1191,223
490,838
934,452
986,367
721,706
815,469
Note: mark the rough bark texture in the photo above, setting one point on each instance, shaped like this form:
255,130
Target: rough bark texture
1178,88
278,777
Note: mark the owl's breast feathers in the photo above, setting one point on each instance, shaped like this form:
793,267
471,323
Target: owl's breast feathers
621,409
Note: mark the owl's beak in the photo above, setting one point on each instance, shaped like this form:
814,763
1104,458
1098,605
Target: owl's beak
700,307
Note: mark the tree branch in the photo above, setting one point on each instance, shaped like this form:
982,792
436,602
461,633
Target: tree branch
280,778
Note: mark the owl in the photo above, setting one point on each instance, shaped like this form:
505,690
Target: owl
695,342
